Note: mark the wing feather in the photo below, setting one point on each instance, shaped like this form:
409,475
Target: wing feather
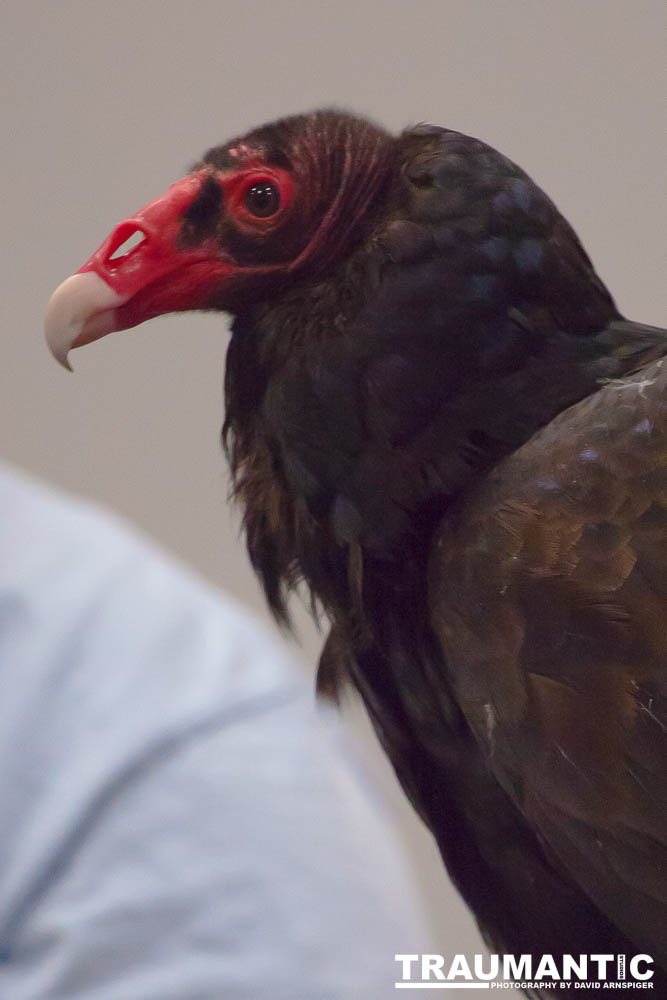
548,592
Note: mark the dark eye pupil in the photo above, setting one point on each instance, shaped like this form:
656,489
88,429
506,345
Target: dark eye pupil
262,199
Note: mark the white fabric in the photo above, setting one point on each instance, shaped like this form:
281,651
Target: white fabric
177,819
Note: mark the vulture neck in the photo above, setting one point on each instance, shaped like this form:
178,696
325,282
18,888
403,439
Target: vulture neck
338,492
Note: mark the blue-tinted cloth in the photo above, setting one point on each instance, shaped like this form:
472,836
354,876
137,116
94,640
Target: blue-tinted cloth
178,821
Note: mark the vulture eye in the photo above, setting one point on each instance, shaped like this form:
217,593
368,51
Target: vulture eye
262,199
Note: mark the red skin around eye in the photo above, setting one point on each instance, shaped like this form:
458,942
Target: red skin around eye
236,185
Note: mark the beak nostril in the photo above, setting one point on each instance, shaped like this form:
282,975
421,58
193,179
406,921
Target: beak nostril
129,239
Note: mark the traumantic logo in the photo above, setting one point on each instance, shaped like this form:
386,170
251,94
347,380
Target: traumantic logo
506,972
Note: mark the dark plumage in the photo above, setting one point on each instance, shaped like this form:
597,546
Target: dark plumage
437,417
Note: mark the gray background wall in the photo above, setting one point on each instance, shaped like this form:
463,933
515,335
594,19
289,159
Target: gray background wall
105,104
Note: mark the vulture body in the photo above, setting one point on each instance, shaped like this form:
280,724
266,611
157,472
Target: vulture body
437,418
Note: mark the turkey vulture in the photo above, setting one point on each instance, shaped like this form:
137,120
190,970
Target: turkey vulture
437,417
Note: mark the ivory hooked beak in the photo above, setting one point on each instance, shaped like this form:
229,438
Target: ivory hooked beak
81,309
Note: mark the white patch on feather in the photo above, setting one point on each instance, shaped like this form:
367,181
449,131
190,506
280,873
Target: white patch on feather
490,717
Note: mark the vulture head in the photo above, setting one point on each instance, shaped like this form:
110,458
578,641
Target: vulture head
252,218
